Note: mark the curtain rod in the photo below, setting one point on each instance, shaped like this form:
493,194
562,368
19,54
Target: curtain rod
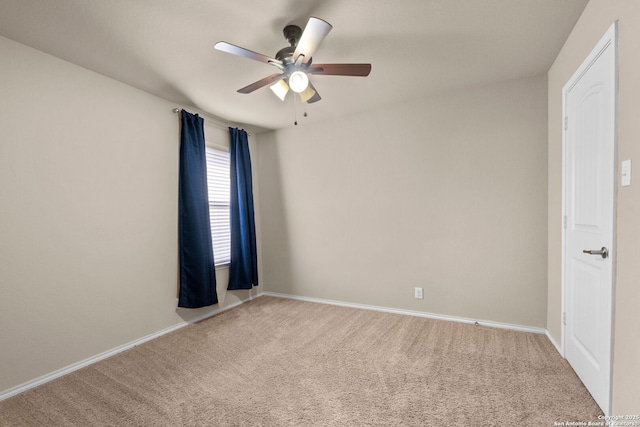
214,123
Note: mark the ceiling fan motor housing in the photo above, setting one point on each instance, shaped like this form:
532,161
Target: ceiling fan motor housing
286,55
292,33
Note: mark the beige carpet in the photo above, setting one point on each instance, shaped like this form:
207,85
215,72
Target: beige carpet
280,362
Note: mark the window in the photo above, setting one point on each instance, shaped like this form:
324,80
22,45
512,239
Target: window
219,202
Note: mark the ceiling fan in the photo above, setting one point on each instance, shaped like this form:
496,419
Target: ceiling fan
295,62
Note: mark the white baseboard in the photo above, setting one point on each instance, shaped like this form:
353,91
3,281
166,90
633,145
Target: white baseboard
413,313
79,365
555,343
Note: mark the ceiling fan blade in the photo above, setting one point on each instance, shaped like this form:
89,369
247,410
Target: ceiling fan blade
313,34
261,83
316,96
246,53
361,70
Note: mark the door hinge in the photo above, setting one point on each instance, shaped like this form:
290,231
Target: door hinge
564,222
566,123
564,318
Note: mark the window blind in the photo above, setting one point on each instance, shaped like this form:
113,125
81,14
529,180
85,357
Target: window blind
218,182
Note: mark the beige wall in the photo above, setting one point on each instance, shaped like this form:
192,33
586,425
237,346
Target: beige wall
447,193
88,215
595,20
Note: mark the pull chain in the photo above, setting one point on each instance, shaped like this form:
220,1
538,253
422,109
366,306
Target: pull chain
295,111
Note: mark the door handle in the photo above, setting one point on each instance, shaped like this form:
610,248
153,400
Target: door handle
604,252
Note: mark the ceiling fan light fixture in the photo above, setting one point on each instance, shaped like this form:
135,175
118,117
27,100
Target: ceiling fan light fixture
280,89
298,81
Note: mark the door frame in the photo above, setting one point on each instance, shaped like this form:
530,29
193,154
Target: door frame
610,38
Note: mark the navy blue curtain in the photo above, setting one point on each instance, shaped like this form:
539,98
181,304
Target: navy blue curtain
243,271
197,268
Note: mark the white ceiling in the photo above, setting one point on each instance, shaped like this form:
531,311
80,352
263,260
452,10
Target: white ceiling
416,47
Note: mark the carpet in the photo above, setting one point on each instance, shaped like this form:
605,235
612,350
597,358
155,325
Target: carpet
283,362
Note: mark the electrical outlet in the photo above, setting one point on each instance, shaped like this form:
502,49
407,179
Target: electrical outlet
418,293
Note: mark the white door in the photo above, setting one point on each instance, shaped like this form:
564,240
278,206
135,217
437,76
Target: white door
589,186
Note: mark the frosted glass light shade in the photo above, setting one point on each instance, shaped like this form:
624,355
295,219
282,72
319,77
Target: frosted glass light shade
298,81
280,89
307,94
